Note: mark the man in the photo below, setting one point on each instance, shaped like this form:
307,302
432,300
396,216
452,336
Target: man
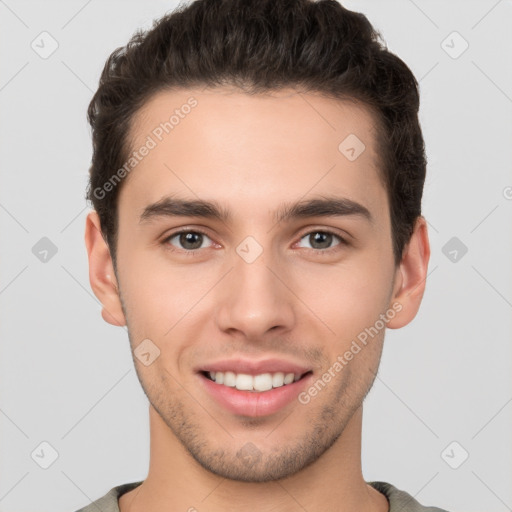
256,180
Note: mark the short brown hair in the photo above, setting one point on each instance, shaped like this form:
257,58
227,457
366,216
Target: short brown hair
260,46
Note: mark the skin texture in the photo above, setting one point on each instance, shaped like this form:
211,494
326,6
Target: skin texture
252,154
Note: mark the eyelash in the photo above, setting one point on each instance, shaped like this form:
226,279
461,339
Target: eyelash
342,241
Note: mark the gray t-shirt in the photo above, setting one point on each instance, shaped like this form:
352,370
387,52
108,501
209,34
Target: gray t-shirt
399,501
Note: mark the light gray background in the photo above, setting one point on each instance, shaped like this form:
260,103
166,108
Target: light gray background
67,377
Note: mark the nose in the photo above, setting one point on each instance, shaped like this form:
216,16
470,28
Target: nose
254,299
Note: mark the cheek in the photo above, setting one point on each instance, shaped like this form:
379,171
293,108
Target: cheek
159,296
347,298
140,294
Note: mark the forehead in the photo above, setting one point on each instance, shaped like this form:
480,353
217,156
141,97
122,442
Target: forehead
220,111
222,143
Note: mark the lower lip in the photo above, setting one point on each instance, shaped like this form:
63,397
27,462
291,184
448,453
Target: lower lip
251,403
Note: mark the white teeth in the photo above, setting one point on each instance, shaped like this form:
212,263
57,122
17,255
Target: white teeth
244,382
229,379
261,382
278,379
288,378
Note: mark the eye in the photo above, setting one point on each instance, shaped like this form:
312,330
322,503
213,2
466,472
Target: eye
321,240
188,240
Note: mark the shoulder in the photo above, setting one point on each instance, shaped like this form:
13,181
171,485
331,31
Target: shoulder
401,500
109,502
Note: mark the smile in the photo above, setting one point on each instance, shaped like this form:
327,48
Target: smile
254,395
256,383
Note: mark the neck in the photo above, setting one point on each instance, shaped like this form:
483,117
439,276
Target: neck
176,481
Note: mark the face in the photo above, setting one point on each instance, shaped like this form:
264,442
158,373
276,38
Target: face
252,243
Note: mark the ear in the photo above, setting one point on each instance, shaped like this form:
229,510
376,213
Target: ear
410,277
101,272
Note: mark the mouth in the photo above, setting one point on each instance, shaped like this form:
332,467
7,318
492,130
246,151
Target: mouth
257,395
254,383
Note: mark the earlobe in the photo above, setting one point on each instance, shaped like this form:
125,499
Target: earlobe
101,272
411,276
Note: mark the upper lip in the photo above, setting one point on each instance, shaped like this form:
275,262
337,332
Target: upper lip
252,367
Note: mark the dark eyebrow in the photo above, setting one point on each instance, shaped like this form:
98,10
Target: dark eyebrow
174,207
323,207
